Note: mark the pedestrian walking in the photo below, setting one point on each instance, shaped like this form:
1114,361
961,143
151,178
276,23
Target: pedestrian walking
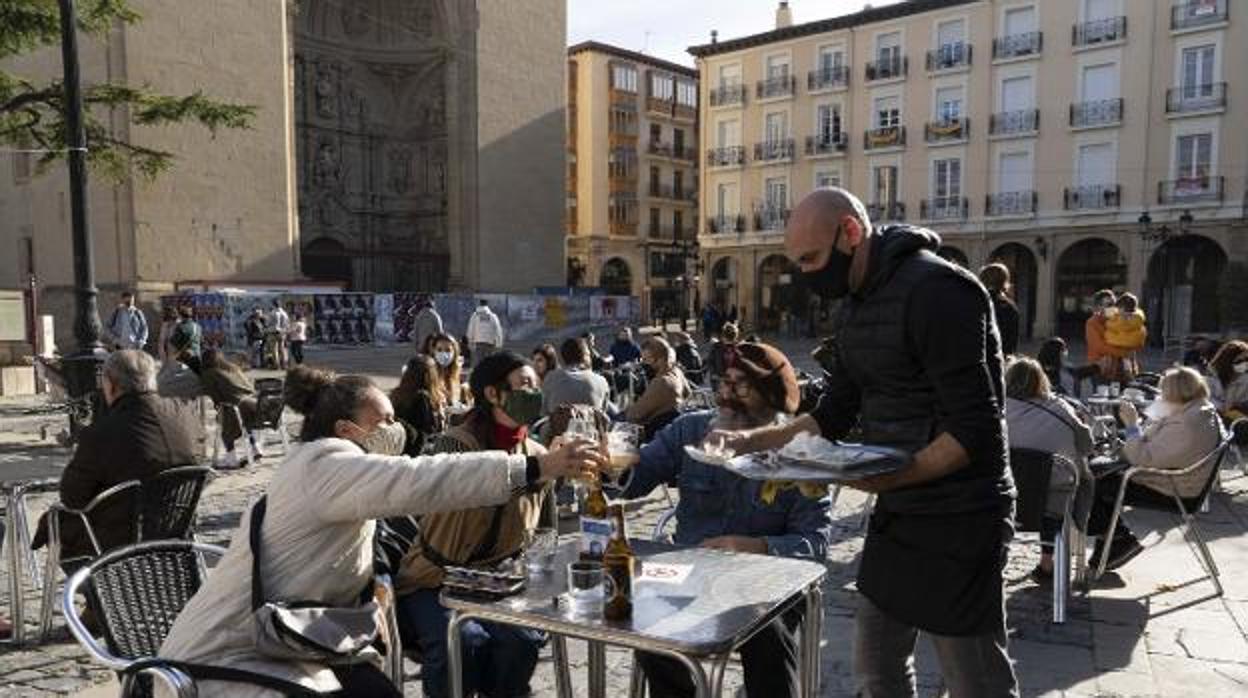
187,339
127,325
297,335
485,332
254,330
426,322
278,327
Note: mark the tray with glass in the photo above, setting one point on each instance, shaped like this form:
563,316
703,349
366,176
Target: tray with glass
807,458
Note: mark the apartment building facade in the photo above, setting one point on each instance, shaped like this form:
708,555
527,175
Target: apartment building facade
1084,143
633,177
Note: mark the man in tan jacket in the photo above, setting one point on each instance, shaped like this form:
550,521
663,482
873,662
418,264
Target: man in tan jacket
499,659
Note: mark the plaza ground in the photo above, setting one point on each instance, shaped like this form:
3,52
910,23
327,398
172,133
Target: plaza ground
1139,633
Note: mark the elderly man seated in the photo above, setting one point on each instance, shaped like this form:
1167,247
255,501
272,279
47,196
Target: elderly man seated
138,436
719,509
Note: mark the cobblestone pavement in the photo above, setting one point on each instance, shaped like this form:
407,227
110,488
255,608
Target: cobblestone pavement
1139,633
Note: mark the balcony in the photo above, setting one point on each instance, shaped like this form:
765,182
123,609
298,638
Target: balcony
1101,112
1092,197
1187,190
829,144
668,150
730,156
684,112
888,68
660,106
779,86
1013,123
728,95
626,183
623,99
659,231
770,218
623,229
836,77
1197,14
949,57
884,137
671,192
1196,98
1098,31
781,149
945,208
889,211
947,130
726,224
1012,203
1018,45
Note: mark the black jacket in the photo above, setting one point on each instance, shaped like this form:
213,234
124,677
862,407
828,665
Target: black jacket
1007,322
917,355
136,438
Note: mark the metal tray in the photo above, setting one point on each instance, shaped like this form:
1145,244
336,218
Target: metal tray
856,462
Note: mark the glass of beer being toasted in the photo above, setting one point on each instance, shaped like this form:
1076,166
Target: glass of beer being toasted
623,448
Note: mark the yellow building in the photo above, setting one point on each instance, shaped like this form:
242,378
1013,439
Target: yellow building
1085,143
632,177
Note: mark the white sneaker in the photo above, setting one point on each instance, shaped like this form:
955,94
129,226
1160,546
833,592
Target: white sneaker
229,462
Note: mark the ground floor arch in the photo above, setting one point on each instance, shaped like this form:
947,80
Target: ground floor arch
616,278
1181,287
778,293
326,259
1021,262
1082,269
724,281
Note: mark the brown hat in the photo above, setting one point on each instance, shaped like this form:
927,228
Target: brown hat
771,374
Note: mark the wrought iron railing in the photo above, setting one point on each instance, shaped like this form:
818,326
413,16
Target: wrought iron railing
1099,31
827,144
945,208
1092,197
779,149
726,95
726,157
1099,112
1011,203
1191,189
947,130
1197,97
1014,122
1015,45
828,78
1198,13
949,56
884,137
891,67
778,86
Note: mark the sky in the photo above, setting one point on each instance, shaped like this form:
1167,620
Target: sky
666,28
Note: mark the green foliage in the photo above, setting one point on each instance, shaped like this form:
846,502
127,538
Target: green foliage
31,112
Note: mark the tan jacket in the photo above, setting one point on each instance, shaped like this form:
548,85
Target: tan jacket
663,395
1174,443
318,545
457,535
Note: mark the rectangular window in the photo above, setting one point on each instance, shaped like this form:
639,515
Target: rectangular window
948,104
1198,72
678,183
777,67
624,77
729,75
1099,9
1016,94
830,59
888,48
1014,174
726,201
686,93
777,194
661,86
885,181
1100,82
1096,165
729,133
1020,21
776,127
656,132
887,112
678,222
678,140
950,43
654,179
947,178
654,221
828,122
827,178
1195,156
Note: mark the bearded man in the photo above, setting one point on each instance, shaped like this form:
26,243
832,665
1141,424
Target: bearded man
719,509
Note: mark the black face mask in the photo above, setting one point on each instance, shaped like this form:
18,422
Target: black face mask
832,280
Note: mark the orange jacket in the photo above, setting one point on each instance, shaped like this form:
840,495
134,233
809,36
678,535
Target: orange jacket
1098,348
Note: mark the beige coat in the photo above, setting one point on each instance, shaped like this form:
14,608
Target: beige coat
318,545
1174,443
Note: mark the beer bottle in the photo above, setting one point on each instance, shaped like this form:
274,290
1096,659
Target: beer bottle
618,565
595,523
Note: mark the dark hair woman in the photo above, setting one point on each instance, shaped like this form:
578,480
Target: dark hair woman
419,402
319,526
545,359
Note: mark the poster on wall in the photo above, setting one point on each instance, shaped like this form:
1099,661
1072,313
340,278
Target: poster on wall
402,314
556,312
300,305
524,318
209,310
383,314
344,318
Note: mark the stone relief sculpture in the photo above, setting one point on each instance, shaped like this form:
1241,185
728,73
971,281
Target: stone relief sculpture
326,91
357,18
400,170
327,168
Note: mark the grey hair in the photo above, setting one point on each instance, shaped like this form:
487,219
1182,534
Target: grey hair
131,371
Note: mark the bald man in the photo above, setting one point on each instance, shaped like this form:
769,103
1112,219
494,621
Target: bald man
916,365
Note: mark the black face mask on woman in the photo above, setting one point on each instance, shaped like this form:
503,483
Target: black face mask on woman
831,281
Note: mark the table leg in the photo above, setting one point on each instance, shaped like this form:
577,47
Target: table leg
701,686
454,656
718,668
13,540
563,675
812,626
597,670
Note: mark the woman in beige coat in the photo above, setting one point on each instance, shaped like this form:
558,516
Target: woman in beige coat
317,536
1184,428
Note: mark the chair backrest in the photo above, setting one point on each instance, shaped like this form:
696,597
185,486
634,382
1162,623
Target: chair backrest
169,501
269,407
125,497
136,593
1033,471
1239,431
269,385
1216,456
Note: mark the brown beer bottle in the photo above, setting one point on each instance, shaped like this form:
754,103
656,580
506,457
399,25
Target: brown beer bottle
618,564
595,523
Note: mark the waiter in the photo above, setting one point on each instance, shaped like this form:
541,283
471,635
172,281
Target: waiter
916,365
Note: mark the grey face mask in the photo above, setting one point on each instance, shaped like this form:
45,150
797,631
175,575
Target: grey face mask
386,440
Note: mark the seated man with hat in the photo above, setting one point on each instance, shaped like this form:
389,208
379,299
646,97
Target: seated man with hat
719,509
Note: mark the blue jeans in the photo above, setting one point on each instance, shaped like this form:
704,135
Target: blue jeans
498,659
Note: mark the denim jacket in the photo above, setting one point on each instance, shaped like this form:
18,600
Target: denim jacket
716,502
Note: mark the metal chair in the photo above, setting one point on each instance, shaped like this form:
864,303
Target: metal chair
1032,472
271,409
137,592
1191,529
161,507
230,411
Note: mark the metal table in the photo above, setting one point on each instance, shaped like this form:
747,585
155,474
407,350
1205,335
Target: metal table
17,480
722,603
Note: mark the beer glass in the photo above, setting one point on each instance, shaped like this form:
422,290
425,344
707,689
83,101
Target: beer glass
623,447
586,588
539,549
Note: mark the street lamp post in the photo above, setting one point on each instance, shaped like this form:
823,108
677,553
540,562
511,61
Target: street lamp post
82,366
